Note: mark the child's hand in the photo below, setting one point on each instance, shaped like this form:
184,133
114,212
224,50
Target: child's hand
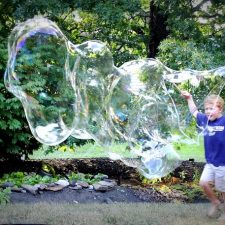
185,94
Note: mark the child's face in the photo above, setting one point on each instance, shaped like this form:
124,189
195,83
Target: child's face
212,111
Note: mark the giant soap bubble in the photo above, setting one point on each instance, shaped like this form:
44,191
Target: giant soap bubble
144,114
36,74
93,74
75,89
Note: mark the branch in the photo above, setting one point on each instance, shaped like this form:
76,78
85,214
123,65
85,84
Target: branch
120,47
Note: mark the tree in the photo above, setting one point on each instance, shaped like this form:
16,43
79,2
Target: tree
124,28
196,35
180,33
157,28
196,41
15,135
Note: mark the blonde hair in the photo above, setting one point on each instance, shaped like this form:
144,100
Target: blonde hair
214,99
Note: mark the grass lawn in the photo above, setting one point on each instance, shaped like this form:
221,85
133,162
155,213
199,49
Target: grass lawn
107,214
191,151
89,150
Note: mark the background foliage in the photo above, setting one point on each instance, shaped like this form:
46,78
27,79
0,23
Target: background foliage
182,34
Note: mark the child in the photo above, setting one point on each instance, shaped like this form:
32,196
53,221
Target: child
212,122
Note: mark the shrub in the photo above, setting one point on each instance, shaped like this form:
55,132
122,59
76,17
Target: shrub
5,195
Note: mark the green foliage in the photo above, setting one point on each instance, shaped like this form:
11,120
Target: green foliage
23,9
5,195
193,43
89,178
73,142
88,150
192,191
19,178
181,54
48,169
196,41
15,136
145,181
64,148
194,19
167,184
124,28
190,44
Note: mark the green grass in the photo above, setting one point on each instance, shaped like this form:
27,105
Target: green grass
107,214
191,151
89,150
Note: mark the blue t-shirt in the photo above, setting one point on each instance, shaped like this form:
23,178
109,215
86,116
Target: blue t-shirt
214,139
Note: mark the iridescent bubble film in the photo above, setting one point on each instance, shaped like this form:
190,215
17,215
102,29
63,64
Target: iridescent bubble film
75,89
143,113
36,74
93,71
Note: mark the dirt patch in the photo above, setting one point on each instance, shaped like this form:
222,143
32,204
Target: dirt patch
117,194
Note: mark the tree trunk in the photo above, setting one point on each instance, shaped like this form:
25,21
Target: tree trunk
158,31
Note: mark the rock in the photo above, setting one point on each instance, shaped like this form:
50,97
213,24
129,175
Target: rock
101,176
82,184
31,189
109,183
63,183
103,186
113,182
19,190
51,185
77,187
7,185
54,188
37,186
98,187
42,187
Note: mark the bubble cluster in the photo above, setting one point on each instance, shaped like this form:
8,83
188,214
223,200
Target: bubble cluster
76,90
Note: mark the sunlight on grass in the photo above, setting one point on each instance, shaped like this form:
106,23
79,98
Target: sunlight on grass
107,214
191,151
88,150
92,150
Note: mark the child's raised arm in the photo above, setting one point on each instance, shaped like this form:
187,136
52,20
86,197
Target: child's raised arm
191,104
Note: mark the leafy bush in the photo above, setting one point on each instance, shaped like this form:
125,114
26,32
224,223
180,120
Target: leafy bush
5,195
19,178
181,54
89,178
192,191
15,135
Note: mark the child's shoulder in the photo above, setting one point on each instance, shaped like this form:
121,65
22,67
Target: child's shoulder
223,117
